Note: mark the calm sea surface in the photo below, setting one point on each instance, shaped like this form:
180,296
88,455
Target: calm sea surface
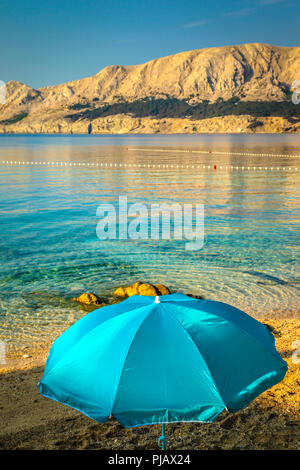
49,250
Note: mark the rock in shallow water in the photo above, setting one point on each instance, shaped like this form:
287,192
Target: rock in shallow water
163,290
89,299
199,297
141,288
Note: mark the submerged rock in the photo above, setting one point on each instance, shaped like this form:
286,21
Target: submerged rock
199,297
89,299
163,290
141,288
272,329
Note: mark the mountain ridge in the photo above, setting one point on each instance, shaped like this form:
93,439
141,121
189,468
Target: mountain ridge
249,72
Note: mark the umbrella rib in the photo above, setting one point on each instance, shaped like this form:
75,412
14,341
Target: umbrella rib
191,338
127,354
244,330
75,344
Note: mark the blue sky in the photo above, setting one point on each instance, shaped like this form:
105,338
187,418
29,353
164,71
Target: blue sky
50,42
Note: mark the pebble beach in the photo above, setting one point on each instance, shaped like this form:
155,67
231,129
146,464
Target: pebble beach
30,421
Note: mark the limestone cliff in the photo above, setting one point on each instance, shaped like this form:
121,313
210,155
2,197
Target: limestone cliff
250,72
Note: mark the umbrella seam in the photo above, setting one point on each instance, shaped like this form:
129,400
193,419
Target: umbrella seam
87,332
55,366
273,353
127,354
53,397
191,338
283,363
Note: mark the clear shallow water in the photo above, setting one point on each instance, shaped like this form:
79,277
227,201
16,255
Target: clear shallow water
49,250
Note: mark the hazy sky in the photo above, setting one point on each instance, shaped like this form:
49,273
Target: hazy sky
49,42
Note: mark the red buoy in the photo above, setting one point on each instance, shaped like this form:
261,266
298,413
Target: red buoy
215,167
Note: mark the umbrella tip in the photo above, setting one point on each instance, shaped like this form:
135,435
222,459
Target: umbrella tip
157,300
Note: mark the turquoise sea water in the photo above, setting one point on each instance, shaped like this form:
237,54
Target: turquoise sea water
49,251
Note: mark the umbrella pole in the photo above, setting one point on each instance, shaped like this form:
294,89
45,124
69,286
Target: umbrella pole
162,439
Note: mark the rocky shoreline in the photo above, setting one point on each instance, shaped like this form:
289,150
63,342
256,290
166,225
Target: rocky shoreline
126,124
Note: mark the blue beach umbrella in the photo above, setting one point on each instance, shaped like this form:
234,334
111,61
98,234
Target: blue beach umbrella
167,359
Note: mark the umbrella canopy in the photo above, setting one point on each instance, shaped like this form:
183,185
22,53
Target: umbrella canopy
153,360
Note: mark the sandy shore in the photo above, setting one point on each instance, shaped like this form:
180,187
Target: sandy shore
30,421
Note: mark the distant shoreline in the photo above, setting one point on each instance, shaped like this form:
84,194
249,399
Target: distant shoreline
126,124
122,135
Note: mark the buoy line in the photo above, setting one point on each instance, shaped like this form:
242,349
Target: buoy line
215,152
147,165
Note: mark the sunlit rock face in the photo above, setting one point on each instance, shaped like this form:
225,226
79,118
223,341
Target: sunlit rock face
250,72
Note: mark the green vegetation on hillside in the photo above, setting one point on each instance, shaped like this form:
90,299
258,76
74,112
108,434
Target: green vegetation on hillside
175,108
79,106
255,124
14,119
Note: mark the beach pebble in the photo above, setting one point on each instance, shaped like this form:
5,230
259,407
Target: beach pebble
26,356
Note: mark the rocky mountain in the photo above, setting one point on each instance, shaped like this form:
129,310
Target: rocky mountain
250,82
